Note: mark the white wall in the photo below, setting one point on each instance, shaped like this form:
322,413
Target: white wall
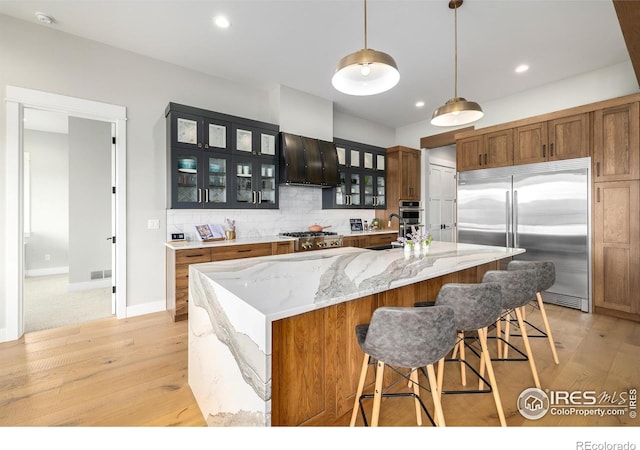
602,84
49,202
356,129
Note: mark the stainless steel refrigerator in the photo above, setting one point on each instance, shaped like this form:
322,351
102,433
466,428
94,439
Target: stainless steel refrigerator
543,208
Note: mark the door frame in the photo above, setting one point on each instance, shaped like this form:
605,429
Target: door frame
16,100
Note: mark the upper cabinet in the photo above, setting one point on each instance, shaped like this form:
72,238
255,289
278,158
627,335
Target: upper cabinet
220,161
404,174
563,138
485,151
615,143
362,172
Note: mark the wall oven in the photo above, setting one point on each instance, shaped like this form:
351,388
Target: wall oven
410,212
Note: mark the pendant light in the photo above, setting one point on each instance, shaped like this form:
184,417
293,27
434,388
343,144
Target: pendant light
367,71
456,111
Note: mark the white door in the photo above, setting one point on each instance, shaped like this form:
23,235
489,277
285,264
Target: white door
442,202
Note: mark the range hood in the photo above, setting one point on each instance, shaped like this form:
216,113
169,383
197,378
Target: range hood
307,161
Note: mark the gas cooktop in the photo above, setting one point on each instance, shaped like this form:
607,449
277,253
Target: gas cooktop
314,240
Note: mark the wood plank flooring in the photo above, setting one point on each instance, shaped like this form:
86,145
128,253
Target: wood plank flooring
133,372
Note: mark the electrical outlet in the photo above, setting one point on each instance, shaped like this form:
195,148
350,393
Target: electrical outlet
153,224
47,257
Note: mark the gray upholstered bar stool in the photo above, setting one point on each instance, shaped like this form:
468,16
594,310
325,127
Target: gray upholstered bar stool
545,278
518,288
404,338
476,306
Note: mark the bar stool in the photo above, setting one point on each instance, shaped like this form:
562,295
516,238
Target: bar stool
545,278
476,306
517,287
407,338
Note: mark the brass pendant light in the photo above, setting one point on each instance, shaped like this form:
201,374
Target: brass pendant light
367,71
456,111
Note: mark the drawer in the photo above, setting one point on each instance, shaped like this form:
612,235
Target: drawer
240,251
193,256
382,239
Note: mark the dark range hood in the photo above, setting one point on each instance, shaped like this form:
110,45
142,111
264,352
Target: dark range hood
307,161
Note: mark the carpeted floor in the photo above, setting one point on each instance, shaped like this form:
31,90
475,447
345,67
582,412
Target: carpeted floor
48,304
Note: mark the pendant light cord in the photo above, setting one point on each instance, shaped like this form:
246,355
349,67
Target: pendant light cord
365,24
455,40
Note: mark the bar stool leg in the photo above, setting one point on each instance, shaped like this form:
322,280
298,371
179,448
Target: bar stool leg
507,334
377,395
356,403
547,328
482,367
499,335
435,394
527,347
416,391
482,334
463,369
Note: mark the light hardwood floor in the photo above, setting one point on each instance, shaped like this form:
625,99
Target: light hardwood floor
133,372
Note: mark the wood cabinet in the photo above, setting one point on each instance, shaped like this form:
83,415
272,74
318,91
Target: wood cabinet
403,175
371,240
616,253
485,151
616,142
178,261
562,138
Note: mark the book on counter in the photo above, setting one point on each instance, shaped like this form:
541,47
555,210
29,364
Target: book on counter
210,232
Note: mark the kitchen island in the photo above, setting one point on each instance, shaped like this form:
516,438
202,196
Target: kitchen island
271,339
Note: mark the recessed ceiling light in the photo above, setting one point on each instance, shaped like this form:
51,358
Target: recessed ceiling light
221,21
419,104
44,18
522,68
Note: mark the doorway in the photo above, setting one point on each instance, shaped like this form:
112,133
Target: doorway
85,111
67,220
442,202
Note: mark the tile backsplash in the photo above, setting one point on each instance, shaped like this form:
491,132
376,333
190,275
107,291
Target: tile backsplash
300,207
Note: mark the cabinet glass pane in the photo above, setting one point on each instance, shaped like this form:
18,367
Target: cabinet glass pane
217,180
368,190
269,186
267,144
244,189
342,156
217,136
187,131
354,158
341,191
355,189
380,193
243,140
380,162
187,181
368,160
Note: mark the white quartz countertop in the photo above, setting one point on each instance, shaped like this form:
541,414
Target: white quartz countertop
282,286
254,240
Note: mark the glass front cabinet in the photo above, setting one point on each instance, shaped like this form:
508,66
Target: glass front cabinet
220,161
362,178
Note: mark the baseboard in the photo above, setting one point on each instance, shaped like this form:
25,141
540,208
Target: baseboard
47,271
87,285
146,308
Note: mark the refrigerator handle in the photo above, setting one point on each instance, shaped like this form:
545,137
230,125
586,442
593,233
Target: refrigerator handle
515,219
507,222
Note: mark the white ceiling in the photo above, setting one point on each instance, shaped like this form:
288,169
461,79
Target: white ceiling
298,43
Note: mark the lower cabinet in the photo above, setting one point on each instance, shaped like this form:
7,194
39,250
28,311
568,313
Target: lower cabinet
316,359
178,262
616,249
369,240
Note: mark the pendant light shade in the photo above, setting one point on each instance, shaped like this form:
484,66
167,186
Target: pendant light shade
367,71
456,111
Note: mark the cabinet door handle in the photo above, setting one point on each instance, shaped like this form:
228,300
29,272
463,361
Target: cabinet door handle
598,169
253,197
485,159
598,195
479,161
206,145
260,197
199,195
195,256
206,195
544,150
551,149
199,144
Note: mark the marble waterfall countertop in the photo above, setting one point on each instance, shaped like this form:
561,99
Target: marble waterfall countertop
232,305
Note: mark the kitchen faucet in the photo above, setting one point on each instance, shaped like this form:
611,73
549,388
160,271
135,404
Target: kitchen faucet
404,222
